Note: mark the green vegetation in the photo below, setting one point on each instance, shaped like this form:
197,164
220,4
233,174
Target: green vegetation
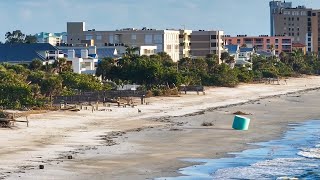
35,84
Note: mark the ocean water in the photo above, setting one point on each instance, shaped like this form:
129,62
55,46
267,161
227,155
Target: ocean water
295,156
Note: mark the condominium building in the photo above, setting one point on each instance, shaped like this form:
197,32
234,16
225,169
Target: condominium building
275,8
185,40
262,42
206,42
164,40
51,38
300,23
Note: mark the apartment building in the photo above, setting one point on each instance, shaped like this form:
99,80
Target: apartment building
206,42
185,40
51,38
164,40
276,8
262,42
300,23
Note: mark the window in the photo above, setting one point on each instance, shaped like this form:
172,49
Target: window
309,39
133,37
158,38
276,46
213,37
169,47
298,19
238,41
277,40
111,40
268,40
88,37
148,39
98,37
213,44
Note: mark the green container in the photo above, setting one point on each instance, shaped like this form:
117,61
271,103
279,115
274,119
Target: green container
241,123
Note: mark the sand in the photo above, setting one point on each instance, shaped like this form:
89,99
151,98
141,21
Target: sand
125,144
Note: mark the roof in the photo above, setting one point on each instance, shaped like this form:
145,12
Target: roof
264,53
106,52
298,45
232,49
23,52
246,49
101,52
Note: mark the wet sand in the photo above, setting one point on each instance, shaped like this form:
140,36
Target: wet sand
125,144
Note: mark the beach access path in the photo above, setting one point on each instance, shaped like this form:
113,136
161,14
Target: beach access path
122,142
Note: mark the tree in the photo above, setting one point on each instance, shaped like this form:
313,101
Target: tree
225,56
60,65
36,64
131,51
15,37
244,45
30,39
51,86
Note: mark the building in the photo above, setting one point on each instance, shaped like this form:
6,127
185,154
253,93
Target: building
85,63
185,40
52,38
26,53
299,47
262,43
206,42
101,52
164,40
147,50
300,23
233,50
275,8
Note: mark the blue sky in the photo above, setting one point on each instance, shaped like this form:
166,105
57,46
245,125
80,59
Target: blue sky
232,16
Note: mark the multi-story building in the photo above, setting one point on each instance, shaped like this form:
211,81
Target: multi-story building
184,39
262,42
52,38
164,40
276,8
206,42
300,23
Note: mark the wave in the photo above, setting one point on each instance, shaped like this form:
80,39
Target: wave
310,152
269,169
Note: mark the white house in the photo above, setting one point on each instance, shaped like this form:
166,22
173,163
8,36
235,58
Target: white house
84,64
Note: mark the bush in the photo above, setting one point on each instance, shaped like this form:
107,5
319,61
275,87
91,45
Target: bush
207,124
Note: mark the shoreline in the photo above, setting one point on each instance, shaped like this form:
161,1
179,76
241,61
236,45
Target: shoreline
134,145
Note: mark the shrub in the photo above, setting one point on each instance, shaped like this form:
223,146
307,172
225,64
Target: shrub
207,124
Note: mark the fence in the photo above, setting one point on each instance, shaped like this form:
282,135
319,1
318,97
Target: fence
95,96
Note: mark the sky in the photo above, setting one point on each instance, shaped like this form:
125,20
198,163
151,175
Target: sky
232,16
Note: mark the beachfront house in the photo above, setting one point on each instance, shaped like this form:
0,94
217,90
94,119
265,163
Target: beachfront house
22,53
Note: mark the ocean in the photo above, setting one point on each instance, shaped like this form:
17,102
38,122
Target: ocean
295,156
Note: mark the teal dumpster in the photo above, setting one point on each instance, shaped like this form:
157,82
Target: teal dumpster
241,123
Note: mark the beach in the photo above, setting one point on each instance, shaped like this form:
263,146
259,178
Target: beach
123,143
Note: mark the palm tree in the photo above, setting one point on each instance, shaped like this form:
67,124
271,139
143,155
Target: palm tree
131,51
60,65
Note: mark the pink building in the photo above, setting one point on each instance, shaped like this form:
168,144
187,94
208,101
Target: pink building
262,42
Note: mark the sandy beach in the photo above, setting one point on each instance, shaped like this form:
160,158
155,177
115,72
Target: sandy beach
121,143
